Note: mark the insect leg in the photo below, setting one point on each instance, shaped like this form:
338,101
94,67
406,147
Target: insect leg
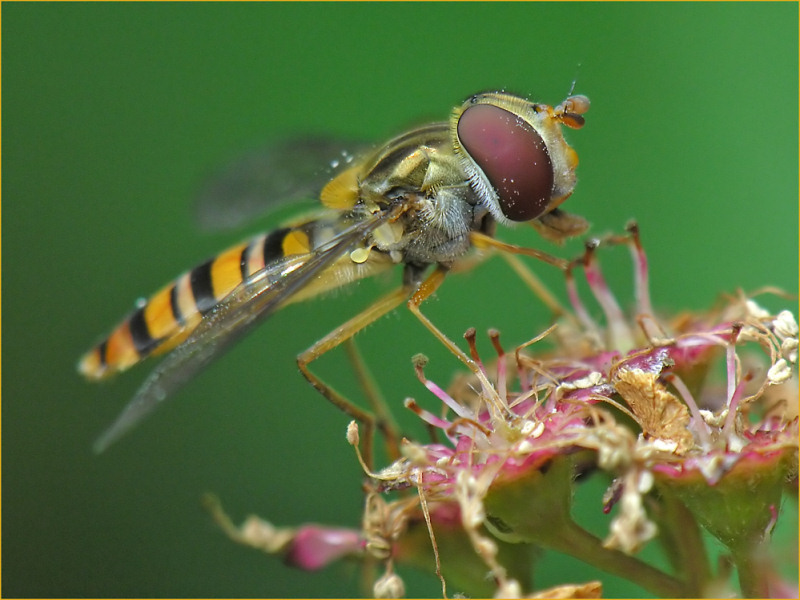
422,293
374,397
481,240
509,252
537,286
339,335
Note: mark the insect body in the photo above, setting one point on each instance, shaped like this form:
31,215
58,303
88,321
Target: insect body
425,198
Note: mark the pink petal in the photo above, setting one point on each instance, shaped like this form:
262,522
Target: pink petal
314,547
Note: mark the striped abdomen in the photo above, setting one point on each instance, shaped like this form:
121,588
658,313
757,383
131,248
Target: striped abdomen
171,314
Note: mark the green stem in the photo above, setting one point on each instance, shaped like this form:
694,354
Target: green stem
574,540
750,569
536,509
682,539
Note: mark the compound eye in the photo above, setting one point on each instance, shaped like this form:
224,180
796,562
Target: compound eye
513,157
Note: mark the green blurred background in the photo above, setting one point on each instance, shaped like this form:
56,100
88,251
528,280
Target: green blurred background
114,113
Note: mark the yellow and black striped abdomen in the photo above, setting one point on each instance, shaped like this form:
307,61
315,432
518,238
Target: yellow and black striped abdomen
172,313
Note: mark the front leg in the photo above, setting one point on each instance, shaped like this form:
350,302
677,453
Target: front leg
483,241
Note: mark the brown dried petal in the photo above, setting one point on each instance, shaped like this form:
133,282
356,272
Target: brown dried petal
592,589
659,413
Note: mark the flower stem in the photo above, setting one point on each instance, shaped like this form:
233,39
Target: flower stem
746,557
535,509
683,542
574,540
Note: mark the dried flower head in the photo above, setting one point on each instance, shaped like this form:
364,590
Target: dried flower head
634,398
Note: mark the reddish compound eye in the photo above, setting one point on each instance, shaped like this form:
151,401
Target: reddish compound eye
513,157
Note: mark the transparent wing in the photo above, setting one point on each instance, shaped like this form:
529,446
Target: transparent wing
248,305
265,178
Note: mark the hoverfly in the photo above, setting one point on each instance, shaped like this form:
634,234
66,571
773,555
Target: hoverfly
423,200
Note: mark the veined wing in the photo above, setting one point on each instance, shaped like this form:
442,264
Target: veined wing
246,306
265,178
